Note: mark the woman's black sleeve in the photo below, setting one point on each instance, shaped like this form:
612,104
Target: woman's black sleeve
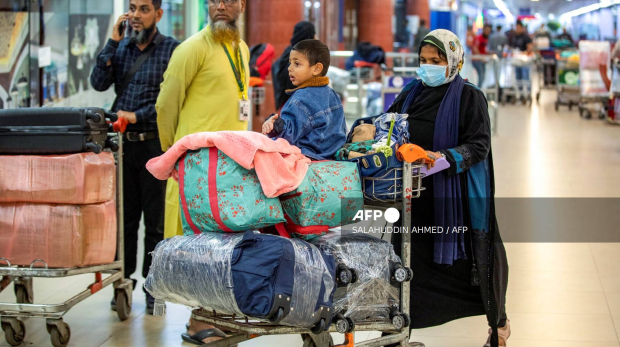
474,132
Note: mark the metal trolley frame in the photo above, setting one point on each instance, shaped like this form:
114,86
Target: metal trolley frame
247,329
567,94
60,333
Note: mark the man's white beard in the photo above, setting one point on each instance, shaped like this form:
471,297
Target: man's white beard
226,32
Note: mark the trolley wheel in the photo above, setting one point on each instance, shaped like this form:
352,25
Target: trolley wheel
602,115
570,106
345,276
342,325
407,319
557,106
585,114
351,324
354,276
22,295
56,336
409,274
309,342
11,336
277,317
400,274
318,327
123,309
398,322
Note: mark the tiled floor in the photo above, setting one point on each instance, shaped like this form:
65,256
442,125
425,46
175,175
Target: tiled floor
560,295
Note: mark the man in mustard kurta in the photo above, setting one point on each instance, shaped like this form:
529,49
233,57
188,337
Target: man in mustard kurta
204,86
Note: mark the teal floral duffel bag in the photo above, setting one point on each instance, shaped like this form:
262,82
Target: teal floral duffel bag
218,195
330,195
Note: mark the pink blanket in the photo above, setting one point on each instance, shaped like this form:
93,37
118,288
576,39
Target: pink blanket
280,167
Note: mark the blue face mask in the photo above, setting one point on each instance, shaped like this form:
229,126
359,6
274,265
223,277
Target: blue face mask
432,75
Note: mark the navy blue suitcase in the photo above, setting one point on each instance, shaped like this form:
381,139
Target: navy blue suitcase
285,281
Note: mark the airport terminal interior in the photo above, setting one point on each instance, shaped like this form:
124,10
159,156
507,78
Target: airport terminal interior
554,115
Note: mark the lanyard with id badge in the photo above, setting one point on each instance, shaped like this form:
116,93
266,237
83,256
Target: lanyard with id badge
244,103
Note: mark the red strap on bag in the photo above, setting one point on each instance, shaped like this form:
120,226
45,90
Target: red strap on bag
213,200
188,218
281,229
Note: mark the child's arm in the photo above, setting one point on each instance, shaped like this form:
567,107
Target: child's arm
292,124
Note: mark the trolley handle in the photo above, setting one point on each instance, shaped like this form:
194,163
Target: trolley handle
38,261
6,260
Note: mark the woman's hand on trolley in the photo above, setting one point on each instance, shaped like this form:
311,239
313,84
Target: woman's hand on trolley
434,156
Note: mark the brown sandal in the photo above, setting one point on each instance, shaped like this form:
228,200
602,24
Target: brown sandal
504,334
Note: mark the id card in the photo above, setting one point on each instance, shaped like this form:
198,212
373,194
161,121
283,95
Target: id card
244,110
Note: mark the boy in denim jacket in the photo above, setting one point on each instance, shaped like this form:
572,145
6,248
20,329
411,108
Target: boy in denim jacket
313,118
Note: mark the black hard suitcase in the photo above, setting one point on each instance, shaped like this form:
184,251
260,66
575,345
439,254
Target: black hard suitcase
369,274
54,130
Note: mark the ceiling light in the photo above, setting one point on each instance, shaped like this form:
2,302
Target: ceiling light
502,7
586,9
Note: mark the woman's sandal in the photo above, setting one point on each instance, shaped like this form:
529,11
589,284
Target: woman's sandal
504,334
201,335
197,338
227,331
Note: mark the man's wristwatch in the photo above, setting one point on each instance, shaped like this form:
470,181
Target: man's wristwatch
442,154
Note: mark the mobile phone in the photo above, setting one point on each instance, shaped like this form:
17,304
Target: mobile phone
121,28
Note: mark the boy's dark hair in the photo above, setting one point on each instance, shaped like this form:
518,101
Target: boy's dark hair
316,52
519,23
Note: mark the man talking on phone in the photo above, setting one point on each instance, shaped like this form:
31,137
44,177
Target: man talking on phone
134,60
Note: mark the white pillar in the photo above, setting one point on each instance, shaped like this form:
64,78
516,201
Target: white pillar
119,8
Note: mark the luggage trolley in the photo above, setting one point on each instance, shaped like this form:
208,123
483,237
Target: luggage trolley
567,82
60,332
546,68
400,199
515,87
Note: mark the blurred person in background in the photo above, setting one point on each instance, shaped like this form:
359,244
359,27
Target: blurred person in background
422,32
279,70
471,39
480,48
566,36
510,35
135,33
523,42
203,90
497,42
542,32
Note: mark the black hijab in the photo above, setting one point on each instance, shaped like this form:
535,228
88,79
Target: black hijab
281,80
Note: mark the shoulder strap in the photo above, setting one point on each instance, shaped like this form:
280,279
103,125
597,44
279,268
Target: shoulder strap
136,66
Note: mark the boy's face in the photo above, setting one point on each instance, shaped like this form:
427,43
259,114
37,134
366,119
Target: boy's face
300,70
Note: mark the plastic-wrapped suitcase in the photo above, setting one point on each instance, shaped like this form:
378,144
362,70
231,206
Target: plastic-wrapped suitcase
62,236
368,274
54,130
285,281
81,178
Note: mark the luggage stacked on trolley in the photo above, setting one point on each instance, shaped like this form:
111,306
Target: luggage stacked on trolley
594,58
60,211
567,79
325,279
